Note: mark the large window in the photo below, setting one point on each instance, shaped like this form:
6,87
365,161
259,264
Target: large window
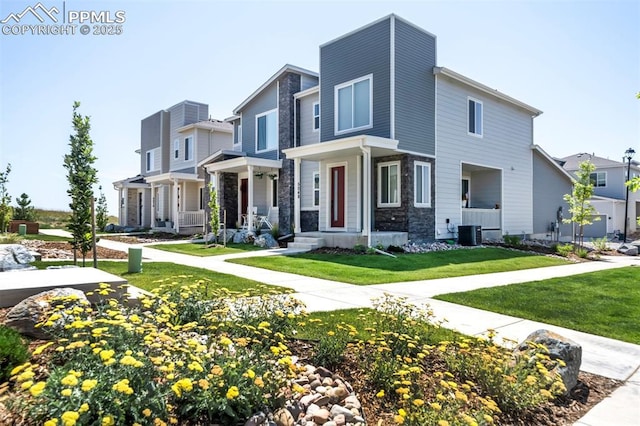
316,116
475,117
422,190
188,148
239,134
316,189
353,108
389,184
150,161
267,131
598,179
176,148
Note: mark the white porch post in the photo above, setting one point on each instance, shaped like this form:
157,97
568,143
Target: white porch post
153,205
126,206
296,197
176,201
250,199
120,213
366,195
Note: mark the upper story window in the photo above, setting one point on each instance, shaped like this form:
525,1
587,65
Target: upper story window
316,116
188,148
353,109
389,184
316,189
176,148
150,161
598,179
422,190
474,115
239,140
267,131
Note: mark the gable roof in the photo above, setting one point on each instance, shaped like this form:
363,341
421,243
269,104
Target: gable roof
553,161
572,162
284,69
486,89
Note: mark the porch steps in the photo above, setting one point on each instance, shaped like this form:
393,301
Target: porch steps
306,243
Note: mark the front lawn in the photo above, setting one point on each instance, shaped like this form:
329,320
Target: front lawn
378,269
201,249
153,272
606,303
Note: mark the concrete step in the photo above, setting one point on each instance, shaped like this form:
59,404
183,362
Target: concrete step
310,240
302,246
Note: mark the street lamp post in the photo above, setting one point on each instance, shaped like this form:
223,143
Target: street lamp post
628,155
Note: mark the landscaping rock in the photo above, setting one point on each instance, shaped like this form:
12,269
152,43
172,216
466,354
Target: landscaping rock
283,417
629,250
244,237
412,247
25,315
266,240
559,348
15,256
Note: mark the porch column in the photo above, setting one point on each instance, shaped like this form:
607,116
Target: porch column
296,197
366,194
120,214
126,206
214,178
176,203
153,205
250,199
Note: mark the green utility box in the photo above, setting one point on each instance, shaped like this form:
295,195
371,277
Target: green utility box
135,260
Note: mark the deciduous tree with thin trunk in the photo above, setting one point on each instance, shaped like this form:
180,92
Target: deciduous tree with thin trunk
214,212
102,213
5,208
580,208
81,176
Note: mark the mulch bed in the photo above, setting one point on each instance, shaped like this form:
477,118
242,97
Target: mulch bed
62,251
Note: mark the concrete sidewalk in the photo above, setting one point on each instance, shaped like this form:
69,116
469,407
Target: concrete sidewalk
602,356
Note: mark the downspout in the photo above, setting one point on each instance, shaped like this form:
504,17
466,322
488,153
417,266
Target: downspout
366,193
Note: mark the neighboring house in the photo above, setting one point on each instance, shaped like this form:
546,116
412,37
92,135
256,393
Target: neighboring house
609,193
169,191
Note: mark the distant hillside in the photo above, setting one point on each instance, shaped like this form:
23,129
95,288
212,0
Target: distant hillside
58,218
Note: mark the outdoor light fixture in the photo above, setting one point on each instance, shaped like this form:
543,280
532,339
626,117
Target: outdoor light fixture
628,155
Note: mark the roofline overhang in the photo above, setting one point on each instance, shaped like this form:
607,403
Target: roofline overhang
232,118
220,153
486,89
287,67
241,163
322,149
198,125
309,91
192,177
552,161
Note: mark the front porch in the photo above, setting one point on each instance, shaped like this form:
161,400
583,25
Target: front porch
482,199
313,240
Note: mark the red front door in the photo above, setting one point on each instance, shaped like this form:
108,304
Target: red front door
244,196
337,197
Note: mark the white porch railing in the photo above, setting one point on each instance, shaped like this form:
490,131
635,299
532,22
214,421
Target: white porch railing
486,218
191,218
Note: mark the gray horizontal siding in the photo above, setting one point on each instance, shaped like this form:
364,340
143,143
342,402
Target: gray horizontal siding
415,57
307,135
361,53
308,82
549,186
154,134
307,169
265,101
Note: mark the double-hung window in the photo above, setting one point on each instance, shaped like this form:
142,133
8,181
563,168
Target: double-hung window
598,179
389,184
474,117
422,187
176,148
188,148
353,105
316,116
316,189
267,131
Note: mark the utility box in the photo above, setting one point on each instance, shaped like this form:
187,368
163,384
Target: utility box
469,235
135,260
22,229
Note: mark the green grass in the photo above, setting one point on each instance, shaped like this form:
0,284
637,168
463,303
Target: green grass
154,271
200,249
45,237
377,269
605,303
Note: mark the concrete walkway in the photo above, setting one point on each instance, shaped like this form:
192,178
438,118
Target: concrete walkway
602,356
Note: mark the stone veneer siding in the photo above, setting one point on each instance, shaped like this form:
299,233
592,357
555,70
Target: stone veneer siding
418,222
228,198
309,220
289,84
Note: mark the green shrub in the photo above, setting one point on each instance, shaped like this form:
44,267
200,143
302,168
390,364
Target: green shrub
582,253
330,349
601,244
9,238
564,249
360,248
512,240
275,231
13,351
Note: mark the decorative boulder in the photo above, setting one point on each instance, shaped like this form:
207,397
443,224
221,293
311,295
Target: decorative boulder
266,240
629,250
33,310
559,348
15,256
244,237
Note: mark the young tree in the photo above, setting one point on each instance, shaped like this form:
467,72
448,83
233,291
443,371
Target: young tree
102,213
24,211
579,205
5,209
81,176
214,212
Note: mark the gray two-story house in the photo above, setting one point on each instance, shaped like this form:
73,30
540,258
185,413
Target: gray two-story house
169,192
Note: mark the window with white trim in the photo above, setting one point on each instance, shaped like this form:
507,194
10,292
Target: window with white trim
353,109
267,131
598,179
239,134
474,116
176,148
389,184
188,148
150,160
422,184
316,116
316,189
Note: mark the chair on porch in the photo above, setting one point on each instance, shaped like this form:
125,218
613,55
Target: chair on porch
264,220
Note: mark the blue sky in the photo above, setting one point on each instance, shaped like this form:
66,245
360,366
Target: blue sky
577,61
